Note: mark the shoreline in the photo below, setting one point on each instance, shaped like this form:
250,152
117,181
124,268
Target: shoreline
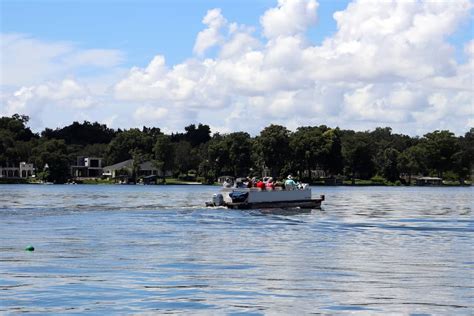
184,183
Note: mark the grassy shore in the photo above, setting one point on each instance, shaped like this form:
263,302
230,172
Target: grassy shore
173,181
176,181
13,181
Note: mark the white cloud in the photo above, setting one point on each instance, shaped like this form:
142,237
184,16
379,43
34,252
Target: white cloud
240,42
53,99
210,36
150,114
101,58
26,60
388,63
379,67
290,17
65,90
366,104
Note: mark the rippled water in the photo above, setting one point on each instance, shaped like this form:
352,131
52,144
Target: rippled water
156,249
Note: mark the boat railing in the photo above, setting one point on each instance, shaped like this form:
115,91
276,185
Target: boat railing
254,189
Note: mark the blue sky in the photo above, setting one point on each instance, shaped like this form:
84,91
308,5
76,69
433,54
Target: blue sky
405,64
140,28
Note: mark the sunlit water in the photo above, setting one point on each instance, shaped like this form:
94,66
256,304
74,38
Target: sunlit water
156,249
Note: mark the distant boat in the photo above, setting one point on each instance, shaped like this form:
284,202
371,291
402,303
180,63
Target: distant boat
254,198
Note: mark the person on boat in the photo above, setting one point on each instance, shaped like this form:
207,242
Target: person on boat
227,183
252,182
240,183
270,185
290,184
260,184
279,184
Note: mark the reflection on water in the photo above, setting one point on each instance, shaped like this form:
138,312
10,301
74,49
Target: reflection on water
156,249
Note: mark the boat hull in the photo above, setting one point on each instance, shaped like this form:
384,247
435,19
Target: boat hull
254,198
306,204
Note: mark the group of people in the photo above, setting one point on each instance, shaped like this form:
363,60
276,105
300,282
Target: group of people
266,183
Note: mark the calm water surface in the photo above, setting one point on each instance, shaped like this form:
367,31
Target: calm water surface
155,250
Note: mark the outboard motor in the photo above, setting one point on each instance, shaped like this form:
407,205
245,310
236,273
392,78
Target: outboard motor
218,199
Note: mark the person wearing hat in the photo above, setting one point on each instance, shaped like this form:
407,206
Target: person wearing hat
290,184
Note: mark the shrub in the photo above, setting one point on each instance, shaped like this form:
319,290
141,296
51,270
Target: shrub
378,180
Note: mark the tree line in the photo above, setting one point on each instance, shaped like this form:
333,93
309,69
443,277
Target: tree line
309,152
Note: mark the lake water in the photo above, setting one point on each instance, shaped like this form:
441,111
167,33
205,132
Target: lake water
156,249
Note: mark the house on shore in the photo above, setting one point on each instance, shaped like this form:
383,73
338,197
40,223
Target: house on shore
24,170
87,167
334,180
429,181
115,170
223,179
124,170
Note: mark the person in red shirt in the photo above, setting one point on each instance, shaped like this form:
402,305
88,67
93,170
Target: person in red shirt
260,184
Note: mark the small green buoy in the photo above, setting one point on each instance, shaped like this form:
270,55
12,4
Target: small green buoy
30,248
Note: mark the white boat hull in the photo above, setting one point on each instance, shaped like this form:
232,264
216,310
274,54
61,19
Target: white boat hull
260,196
256,198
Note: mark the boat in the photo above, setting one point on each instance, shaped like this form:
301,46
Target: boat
256,198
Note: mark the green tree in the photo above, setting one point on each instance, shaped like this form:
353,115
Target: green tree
138,158
274,145
239,147
121,148
332,158
164,154
7,143
412,161
194,135
217,156
52,153
463,159
307,147
207,171
440,147
357,150
184,157
15,140
390,164
16,125
385,145
81,133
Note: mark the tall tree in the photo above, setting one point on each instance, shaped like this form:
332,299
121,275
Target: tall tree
51,156
16,125
16,140
463,159
274,143
122,146
307,146
199,135
440,147
185,158
390,164
358,152
239,146
412,161
138,158
332,154
217,157
164,154
82,133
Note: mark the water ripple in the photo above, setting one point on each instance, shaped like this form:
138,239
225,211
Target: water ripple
157,250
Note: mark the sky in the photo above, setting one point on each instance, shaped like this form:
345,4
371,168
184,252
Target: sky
239,65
